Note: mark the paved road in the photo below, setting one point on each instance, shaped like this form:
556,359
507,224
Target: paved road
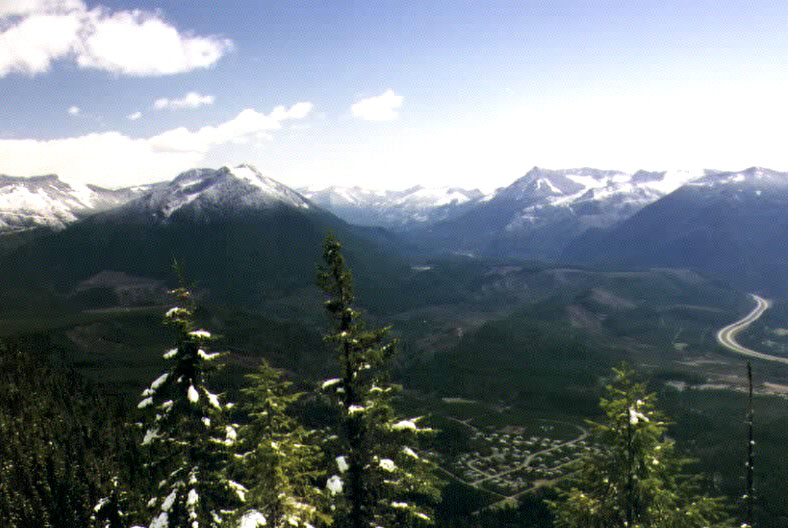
727,336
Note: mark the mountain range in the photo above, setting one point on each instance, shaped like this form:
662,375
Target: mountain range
395,210
48,201
251,236
240,236
538,215
727,225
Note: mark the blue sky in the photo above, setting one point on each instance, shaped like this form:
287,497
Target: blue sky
389,94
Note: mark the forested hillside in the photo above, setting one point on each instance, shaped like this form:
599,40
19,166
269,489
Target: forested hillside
349,450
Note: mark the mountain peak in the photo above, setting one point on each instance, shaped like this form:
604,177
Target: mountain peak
219,191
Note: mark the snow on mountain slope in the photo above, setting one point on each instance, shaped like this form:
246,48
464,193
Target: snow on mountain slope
539,214
752,177
397,210
596,198
48,201
727,225
220,191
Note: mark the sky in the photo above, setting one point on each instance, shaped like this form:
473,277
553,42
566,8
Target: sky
389,94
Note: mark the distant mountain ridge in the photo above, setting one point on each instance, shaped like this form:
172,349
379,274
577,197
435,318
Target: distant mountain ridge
728,225
48,201
395,210
538,215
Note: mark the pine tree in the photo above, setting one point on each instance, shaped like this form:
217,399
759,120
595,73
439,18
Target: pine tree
187,434
277,458
381,480
636,481
112,510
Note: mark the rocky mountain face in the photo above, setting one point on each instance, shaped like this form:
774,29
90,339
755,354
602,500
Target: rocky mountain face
727,225
395,210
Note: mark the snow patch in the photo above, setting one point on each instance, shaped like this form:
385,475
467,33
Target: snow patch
334,484
387,464
404,425
208,356
162,521
636,416
410,452
200,334
329,383
213,399
150,435
238,489
192,394
193,497
252,519
342,464
159,381
169,501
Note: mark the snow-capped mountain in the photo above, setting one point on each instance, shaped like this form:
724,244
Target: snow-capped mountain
540,213
48,201
243,237
595,198
728,225
395,210
219,192
753,178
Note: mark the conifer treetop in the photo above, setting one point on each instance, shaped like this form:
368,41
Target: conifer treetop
379,477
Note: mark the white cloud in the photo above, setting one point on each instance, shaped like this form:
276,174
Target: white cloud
246,125
297,111
383,107
35,33
73,110
113,159
190,100
25,7
134,116
33,43
141,43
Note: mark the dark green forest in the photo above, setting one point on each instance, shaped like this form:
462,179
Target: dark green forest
339,426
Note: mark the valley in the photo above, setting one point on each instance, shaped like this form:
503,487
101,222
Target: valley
518,264
504,353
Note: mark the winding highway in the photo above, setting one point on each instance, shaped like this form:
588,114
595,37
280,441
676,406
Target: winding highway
727,336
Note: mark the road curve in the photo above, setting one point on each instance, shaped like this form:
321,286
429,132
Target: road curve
727,336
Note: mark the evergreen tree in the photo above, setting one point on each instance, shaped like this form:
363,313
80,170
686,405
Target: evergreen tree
636,481
277,459
113,510
380,478
187,434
